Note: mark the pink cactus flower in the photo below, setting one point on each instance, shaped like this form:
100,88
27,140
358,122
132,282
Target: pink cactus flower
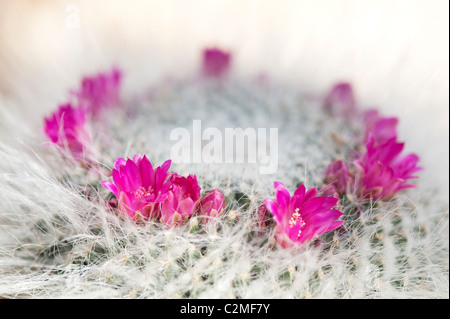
338,175
139,187
100,91
302,217
383,129
330,191
181,201
382,171
66,128
211,205
340,100
216,63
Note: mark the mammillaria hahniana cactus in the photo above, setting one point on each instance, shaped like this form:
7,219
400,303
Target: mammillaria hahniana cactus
140,235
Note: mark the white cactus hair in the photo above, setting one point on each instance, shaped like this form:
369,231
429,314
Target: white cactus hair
60,239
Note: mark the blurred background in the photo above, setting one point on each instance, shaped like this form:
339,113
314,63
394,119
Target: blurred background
395,52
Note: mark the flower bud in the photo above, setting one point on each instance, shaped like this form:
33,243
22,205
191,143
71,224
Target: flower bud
212,204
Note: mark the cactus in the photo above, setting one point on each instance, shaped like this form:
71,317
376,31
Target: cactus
63,234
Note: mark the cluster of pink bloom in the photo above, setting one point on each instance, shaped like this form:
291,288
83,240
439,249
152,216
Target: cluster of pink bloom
66,127
380,171
145,192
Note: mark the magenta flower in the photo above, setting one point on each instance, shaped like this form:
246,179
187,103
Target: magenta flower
216,63
66,128
330,191
382,172
340,100
181,201
100,91
139,188
338,175
302,217
383,129
212,204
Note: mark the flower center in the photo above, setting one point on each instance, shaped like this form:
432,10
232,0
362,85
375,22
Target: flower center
143,192
296,219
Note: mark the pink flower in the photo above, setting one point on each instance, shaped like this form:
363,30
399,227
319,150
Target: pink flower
181,201
212,204
383,129
216,63
340,100
139,188
66,128
100,91
330,191
382,172
338,175
302,217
